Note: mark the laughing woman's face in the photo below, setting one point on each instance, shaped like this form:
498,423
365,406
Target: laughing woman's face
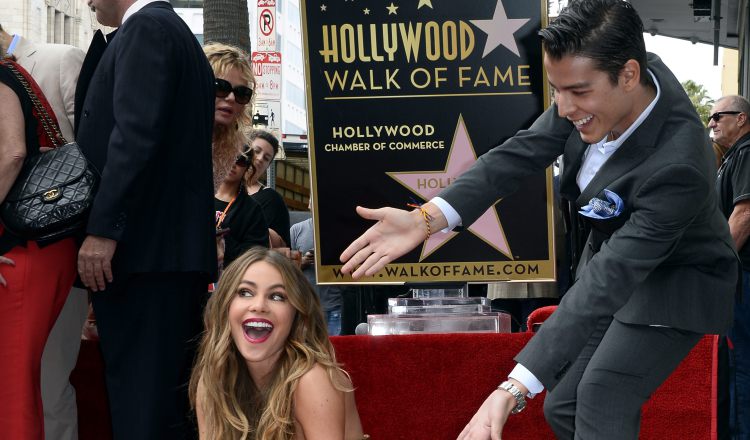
261,318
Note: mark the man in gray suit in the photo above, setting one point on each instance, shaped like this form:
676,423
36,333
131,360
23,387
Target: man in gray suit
658,269
55,68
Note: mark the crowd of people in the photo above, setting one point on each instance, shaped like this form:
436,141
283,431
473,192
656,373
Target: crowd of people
664,262
154,239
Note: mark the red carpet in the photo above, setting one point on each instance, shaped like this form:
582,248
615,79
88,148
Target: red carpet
428,387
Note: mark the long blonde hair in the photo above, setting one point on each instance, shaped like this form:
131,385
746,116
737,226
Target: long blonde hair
228,141
233,406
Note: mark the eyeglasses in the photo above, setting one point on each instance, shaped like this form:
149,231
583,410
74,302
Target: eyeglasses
242,94
242,161
716,116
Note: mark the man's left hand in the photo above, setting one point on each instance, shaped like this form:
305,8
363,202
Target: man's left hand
95,262
489,420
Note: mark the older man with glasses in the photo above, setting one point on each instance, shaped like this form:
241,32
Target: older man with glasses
731,129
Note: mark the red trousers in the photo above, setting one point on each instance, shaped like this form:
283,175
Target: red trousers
37,287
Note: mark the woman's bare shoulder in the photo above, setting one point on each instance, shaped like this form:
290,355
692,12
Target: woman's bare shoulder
315,380
319,408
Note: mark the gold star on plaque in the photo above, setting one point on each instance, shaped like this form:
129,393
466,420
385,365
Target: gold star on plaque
392,9
425,3
366,11
323,8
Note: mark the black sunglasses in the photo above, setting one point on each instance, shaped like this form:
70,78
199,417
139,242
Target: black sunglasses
716,116
242,161
242,94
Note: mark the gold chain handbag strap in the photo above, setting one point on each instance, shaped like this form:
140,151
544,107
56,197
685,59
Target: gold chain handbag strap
48,124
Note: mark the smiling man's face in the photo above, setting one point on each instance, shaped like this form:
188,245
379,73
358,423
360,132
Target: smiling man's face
587,97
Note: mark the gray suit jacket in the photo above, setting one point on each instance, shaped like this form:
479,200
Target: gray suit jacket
55,68
668,259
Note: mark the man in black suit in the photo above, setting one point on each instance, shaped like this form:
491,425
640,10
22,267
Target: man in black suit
658,269
149,253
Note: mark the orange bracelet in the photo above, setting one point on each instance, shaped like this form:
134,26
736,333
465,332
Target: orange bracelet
427,217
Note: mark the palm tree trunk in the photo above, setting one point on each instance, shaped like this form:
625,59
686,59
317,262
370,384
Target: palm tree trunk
226,21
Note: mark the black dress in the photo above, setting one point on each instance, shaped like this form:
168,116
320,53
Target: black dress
247,225
275,211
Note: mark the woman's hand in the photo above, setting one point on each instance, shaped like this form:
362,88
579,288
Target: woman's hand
488,422
275,239
9,262
395,233
292,254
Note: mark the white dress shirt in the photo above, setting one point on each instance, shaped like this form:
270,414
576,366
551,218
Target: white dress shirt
595,157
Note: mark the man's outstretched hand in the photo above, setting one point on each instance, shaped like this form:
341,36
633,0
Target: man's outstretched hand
395,233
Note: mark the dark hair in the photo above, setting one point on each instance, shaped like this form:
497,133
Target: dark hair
266,136
609,32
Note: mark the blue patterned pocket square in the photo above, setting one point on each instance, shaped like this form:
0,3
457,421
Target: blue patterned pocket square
603,209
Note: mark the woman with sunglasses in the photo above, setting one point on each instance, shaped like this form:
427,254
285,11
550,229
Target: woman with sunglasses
234,82
238,212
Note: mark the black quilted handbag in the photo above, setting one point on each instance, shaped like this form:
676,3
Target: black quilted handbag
54,191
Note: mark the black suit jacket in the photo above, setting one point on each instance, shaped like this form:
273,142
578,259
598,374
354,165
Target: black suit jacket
667,259
146,124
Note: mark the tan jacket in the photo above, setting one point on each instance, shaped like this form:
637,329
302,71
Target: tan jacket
55,68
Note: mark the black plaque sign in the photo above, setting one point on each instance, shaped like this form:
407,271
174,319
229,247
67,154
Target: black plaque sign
403,96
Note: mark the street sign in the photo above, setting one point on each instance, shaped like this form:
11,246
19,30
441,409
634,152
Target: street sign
266,25
267,71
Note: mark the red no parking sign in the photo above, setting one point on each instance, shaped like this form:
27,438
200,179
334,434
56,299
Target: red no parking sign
266,25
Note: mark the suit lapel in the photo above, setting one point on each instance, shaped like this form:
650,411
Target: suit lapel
571,164
93,55
628,156
24,53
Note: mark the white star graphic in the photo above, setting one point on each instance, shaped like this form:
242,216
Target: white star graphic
425,3
392,9
366,11
323,8
500,30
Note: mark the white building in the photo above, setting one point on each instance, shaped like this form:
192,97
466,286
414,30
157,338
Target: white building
50,21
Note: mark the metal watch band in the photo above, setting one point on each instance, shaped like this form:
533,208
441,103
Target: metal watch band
516,393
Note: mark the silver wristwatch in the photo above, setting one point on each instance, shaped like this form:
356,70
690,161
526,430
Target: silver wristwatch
517,394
